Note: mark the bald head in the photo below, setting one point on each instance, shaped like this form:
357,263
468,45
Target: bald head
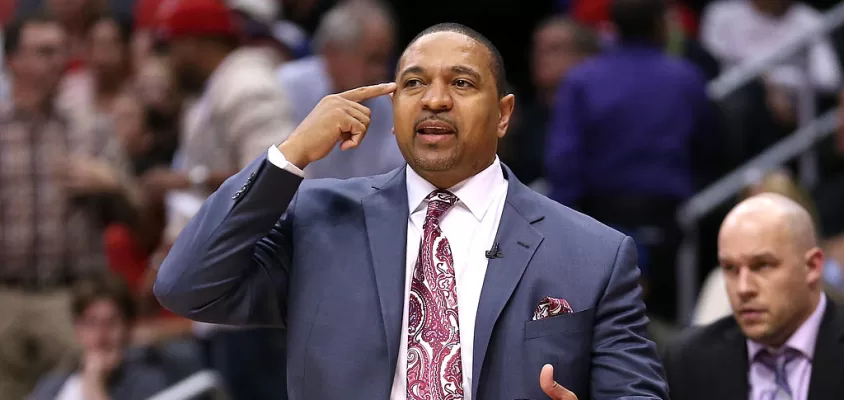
777,213
772,266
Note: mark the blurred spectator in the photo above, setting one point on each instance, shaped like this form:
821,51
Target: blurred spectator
237,113
4,82
58,189
737,31
257,18
762,112
87,94
596,13
239,110
628,141
103,312
354,43
784,333
76,16
558,45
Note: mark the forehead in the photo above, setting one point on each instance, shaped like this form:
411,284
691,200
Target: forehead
40,32
752,235
447,49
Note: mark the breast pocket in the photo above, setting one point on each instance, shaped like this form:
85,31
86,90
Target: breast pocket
580,321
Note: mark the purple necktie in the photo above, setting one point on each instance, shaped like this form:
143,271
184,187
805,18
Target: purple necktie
777,363
434,363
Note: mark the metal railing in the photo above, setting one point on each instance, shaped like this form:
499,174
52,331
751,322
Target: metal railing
201,383
798,144
729,81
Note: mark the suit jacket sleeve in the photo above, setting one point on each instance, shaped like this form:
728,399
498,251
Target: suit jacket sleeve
230,264
625,363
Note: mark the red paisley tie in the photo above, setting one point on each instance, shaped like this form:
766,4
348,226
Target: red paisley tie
434,363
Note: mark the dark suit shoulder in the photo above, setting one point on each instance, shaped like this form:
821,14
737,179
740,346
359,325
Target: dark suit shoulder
696,338
696,345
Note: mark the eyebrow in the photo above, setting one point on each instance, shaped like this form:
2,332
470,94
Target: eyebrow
457,69
765,256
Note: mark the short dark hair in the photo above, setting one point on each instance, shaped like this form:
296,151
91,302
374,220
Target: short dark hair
638,19
12,32
103,286
585,40
124,24
497,63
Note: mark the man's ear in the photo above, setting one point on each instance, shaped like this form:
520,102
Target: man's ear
505,110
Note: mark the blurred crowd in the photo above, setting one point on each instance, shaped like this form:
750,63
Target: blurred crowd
118,118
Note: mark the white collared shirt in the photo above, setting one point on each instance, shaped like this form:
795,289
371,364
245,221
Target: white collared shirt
470,226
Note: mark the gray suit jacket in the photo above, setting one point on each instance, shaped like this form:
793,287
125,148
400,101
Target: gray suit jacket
326,259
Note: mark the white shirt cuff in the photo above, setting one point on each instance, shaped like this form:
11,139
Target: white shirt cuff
275,157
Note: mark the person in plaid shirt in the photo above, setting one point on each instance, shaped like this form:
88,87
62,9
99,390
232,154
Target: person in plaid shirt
59,188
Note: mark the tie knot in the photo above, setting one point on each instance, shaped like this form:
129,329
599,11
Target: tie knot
439,201
777,361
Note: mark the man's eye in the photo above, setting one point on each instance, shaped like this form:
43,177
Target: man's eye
412,83
462,83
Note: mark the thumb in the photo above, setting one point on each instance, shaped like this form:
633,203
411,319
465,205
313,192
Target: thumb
553,389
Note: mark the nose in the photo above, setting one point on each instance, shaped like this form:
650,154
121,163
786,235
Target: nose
746,283
437,97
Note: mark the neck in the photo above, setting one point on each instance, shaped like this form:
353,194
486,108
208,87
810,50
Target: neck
29,100
213,60
546,95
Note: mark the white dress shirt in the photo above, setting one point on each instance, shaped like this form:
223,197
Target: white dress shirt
470,226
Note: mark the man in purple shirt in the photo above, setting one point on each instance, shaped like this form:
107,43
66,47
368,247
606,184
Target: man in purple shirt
627,136
784,340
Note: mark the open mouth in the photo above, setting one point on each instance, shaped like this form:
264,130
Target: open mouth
434,128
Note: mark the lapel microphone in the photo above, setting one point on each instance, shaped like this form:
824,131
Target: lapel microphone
494,252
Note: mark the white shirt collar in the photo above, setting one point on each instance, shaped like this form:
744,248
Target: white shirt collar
474,192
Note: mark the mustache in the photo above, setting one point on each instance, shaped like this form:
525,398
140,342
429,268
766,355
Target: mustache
436,117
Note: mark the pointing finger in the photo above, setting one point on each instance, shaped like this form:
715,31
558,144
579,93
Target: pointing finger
368,92
553,389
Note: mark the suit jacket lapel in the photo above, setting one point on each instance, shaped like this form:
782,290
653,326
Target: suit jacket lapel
730,366
386,213
826,380
517,241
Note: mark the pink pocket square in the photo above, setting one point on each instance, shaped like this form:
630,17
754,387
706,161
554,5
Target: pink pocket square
551,307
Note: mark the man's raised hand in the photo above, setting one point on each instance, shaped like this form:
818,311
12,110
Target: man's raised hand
336,118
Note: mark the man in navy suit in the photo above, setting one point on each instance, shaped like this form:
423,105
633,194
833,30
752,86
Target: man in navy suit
445,279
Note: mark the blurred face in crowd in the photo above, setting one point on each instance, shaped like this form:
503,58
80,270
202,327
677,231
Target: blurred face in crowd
771,267
554,52
102,328
447,113
365,63
108,52
41,57
130,125
184,57
155,85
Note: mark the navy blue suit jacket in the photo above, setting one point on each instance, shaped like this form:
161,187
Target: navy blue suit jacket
326,259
